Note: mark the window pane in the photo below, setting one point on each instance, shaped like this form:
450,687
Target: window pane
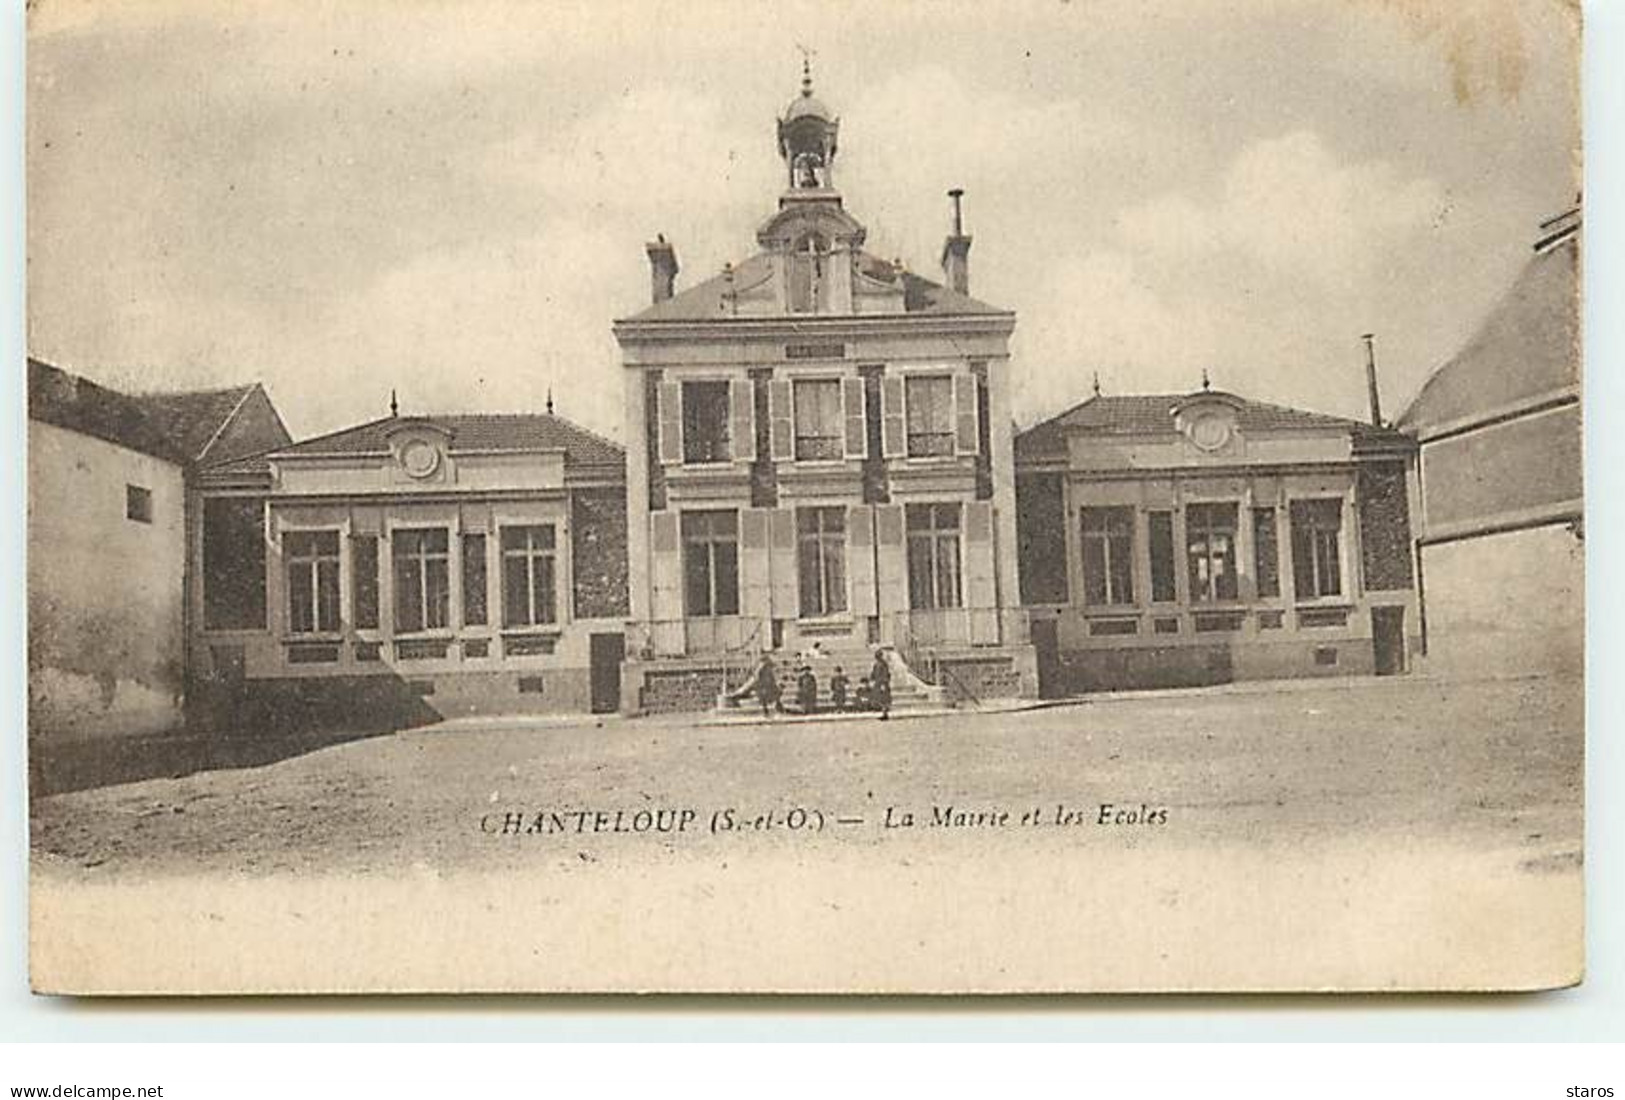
811,571
697,578
834,559
705,422
327,594
920,567
1266,555
364,581
408,593
727,577
542,591
1094,569
474,613
1162,555
948,571
515,586
301,597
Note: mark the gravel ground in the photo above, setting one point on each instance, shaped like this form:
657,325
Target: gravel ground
1481,767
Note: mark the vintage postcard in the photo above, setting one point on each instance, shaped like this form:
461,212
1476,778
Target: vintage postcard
549,497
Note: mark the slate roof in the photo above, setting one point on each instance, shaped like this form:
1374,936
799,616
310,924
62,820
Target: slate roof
193,418
80,405
513,432
1151,414
707,300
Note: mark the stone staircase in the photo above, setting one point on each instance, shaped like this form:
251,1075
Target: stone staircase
908,691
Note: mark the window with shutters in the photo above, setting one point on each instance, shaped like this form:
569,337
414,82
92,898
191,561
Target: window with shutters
821,542
1108,555
312,559
1317,535
1160,534
710,563
529,575
705,422
819,424
422,574
933,556
1266,554
1210,540
929,400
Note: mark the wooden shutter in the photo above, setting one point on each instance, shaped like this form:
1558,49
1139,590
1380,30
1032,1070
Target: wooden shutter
860,558
782,552
670,397
756,599
666,583
892,558
981,590
893,434
778,412
965,412
742,406
855,406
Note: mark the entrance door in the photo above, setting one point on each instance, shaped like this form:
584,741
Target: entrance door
608,650
1388,639
1047,648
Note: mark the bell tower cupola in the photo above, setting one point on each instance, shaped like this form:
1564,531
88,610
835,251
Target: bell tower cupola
807,139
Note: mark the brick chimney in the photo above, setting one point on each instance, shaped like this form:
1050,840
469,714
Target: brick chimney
956,249
662,267
1372,394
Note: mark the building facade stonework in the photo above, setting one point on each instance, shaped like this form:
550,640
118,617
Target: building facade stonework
820,450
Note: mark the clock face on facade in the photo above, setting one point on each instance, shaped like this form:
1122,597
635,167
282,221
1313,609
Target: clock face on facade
420,458
1210,432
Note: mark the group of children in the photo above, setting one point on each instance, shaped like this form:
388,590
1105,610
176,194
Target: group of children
873,692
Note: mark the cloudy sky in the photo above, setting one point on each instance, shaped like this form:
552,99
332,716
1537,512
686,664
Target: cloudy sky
452,198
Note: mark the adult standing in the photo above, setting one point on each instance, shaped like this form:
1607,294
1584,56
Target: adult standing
880,684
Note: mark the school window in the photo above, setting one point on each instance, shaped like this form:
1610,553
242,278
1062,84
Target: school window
819,425
233,563
929,400
313,581
364,581
1108,555
422,579
705,422
1160,535
529,576
1210,539
933,556
711,563
138,504
821,534
474,599
1317,532
1266,555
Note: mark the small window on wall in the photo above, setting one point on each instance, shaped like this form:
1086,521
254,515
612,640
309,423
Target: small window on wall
1317,532
1266,555
313,581
705,422
929,400
819,424
1210,537
138,504
1108,555
1160,532
529,576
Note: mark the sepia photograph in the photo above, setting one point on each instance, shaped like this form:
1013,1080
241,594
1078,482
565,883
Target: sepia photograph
548,498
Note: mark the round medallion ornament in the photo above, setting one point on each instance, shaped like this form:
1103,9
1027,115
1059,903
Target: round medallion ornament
1210,432
420,458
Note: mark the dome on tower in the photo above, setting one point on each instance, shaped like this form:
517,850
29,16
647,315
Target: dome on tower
807,133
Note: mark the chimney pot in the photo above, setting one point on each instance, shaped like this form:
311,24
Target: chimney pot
663,268
1371,379
956,249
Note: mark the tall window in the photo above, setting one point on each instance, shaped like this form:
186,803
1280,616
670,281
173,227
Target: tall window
711,563
705,422
1266,555
929,400
422,579
1160,534
364,581
819,427
1210,539
1108,555
821,533
474,598
313,581
233,563
529,576
1317,531
933,556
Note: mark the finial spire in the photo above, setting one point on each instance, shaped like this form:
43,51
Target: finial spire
1207,383
1097,383
806,69
550,401
394,405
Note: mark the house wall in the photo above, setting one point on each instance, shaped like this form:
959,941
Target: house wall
106,619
